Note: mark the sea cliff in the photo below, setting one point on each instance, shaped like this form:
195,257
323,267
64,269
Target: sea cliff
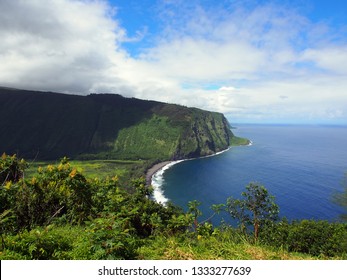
46,125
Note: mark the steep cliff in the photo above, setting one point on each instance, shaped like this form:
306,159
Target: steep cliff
51,125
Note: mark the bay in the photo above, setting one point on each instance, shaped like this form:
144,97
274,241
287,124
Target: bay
302,166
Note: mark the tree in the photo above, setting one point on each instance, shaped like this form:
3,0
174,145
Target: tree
255,209
193,209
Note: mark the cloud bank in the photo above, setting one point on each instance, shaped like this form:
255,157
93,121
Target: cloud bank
256,63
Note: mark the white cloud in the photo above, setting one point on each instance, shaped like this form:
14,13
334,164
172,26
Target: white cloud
199,59
330,58
227,88
265,53
252,57
65,46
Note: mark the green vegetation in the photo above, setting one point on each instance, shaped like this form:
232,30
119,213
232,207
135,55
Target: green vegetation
124,169
58,213
97,206
154,132
223,244
256,209
311,237
48,126
239,141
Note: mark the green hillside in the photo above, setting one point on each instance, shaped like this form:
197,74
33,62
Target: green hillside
47,125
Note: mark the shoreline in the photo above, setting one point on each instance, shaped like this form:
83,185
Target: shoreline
158,166
158,194
154,169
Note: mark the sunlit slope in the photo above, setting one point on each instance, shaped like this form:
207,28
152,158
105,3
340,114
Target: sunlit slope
50,125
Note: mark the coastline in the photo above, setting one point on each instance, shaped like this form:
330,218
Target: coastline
150,172
157,167
154,169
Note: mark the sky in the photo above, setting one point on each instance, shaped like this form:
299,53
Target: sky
256,61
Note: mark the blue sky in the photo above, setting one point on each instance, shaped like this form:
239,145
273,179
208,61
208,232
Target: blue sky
137,16
253,60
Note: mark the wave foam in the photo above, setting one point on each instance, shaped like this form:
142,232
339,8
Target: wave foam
158,181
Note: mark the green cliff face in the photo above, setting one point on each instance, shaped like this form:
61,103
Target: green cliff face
207,133
52,125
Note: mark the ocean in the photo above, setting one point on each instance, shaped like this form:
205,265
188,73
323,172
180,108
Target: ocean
302,166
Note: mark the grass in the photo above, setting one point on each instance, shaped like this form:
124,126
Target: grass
75,242
124,169
226,245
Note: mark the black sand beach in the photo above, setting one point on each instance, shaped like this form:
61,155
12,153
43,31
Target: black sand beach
154,169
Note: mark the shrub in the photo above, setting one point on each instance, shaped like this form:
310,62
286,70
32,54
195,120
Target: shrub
318,238
11,168
112,238
39,244
55,191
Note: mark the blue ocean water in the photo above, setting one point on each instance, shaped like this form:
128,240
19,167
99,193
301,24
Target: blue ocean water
302,166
